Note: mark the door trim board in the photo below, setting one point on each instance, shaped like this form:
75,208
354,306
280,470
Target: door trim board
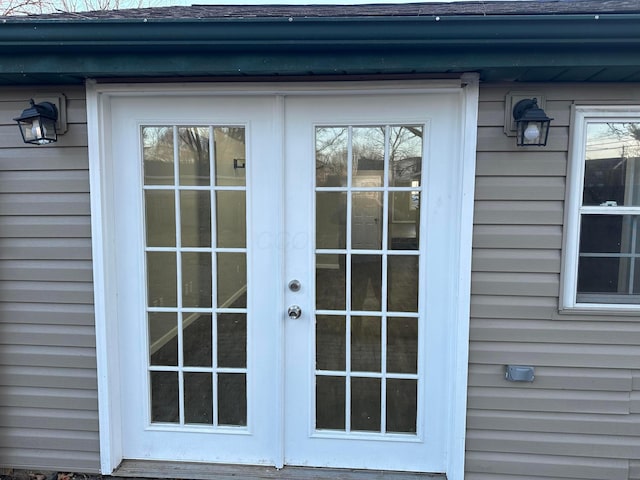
104,268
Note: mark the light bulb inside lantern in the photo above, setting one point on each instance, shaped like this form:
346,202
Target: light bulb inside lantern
532,132
39,131
36,130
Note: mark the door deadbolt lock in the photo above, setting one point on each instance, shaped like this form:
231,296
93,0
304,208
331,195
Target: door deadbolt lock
294,312
294,285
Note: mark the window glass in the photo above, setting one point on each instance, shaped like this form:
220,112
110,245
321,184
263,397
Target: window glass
607,220
612,168
608,256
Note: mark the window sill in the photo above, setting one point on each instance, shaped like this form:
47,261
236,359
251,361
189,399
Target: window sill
608,309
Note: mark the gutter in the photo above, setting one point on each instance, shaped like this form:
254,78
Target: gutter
313,31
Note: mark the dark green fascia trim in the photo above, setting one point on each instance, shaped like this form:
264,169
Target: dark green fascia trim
301,46
326,61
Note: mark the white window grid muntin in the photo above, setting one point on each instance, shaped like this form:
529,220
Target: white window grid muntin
180,310
583,116
384,252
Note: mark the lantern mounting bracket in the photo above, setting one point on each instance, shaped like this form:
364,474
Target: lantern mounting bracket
510,101
60,102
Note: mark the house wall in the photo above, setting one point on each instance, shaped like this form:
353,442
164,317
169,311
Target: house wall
580,418
48,388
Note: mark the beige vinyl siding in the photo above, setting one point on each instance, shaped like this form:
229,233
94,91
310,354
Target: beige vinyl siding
580,418
48,387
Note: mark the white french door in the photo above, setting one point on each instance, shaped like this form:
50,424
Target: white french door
283,271
367,178
196,240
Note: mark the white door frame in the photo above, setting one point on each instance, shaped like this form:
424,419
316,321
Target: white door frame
103,215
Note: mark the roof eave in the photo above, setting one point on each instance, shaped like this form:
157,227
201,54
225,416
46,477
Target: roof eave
299,46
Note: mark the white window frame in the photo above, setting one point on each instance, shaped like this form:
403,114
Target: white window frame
581,116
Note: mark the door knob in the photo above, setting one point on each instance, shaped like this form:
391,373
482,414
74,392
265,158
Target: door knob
294,312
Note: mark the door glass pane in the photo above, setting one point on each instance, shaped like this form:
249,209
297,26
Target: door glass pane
232,401
196,279
198,398
365,404
230,154
368,156
163,338
331,275
366,364
331,219
231,216
404,220
196,339
401,405
232,340
330,403
331,156
405,155
196,274
194,155
366,282
165,394
195,218
330,342
161,279
157,156
402,275
160,216
366,220
232,280
366,348
402,345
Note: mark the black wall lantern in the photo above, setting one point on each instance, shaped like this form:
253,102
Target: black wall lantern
532,124
38,123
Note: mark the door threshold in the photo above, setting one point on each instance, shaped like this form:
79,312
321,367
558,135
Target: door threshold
210,471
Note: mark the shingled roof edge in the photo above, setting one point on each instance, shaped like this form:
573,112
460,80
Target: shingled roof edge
481,8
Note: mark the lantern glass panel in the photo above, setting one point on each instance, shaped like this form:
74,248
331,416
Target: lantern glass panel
527,133
38,130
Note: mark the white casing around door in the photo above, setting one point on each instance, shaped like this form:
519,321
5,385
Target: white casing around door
280,126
